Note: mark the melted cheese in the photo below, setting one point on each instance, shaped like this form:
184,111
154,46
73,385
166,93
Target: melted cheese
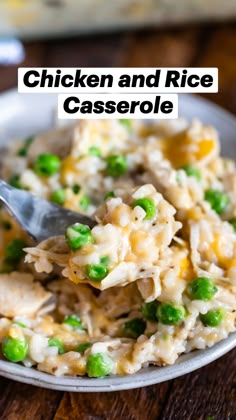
186,149
68,166
219,246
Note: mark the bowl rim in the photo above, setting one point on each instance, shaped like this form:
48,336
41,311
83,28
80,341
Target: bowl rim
149,376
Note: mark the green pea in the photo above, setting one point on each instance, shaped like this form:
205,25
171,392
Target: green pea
14,181
134,328
96,272
192,171
147,205
82,347
201,288
47,164
95,151
104,260
7,266
116,165
14,250
170,314
109,194
217,199
212,318
23,151
149,311
76,189
99,365
233,223
78,235
56,342
84,203
19,324
73,321
126,123
59,196
15,349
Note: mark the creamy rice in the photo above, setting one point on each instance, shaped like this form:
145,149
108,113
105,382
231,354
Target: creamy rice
167,220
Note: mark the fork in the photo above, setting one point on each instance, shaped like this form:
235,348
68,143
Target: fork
39,218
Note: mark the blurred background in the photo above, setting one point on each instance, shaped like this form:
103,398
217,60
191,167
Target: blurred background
120,33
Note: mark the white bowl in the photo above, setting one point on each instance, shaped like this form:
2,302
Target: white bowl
23,115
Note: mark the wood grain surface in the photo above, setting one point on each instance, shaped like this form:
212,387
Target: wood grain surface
208,393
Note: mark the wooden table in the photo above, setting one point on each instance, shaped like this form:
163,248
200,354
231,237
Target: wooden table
209,393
